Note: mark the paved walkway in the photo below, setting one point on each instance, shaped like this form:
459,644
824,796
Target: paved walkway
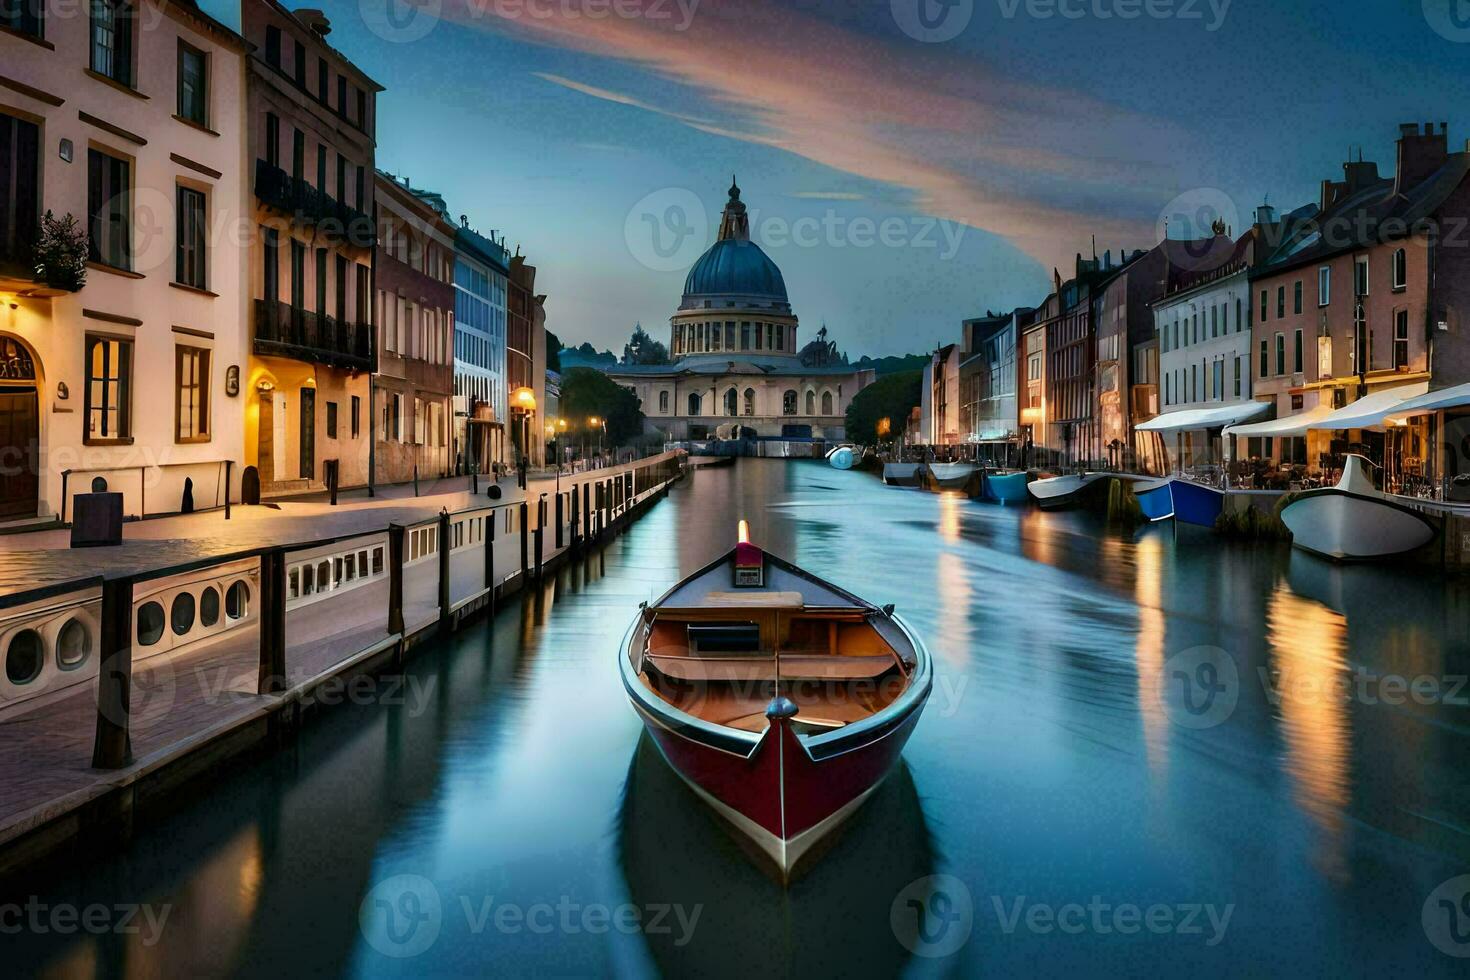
40,558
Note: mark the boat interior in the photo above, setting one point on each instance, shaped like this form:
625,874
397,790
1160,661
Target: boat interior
724,661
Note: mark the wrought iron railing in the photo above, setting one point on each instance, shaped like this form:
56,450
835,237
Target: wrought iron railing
311,206
283,330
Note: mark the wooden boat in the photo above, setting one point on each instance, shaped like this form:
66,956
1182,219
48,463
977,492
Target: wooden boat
1354,520
1006,487
842,458
1155,499
1058,492
1196,503
901,474
951,476
781,700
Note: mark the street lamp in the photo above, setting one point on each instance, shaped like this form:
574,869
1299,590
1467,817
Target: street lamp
523,400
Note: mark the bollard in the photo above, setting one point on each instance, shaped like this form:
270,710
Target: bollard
395,578
445,547
586,511
229,465
560,502
540,531
490,558
576,499
271,676
112,746
332,481
525,537
415,479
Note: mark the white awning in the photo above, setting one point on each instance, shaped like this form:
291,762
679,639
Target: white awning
1282,428
1434,401
1204,418
1369,411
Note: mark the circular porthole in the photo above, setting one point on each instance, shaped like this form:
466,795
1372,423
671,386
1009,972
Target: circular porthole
24,657
181,614
150,624
209,606
237,601
73,645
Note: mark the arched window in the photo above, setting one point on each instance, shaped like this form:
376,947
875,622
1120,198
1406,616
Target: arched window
826,403
788,402
1400,269
749,401
663,403
811,403
732,402
693,403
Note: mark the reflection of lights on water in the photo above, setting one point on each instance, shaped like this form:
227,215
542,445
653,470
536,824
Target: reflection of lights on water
949,516
954,605
1148,593
1307,642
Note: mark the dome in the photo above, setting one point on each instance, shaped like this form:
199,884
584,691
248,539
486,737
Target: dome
735,267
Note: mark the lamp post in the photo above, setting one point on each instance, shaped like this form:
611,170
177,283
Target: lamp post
595,423
523,400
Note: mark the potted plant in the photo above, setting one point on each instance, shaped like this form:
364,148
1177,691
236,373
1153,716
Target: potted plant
60,258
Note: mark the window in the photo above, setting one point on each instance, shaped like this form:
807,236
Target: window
272,139
270,290
298,63
298,154
1297,355
193,84
109,365
361,107
826,403
693,403
1296,298
342,289
342,95
298,275
732,402
663,403
237,601
1264,301
356,420
112,40
24,16
110,225
1236,361
1401,337
811,403
189,265
321,282
321,167
20,160
1360,276
331,420
1280,302
191,401
749,399
1400,269
1265,358
1324,285
273,46
788,402
1217,371
341,179
1238,317
150,624
181,613
321,80
1324,357
1281,353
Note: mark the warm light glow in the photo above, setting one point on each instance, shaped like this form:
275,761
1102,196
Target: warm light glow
594,421
744,532
561,424
524,399
884,426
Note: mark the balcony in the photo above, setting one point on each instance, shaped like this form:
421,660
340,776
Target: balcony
283,330
309,206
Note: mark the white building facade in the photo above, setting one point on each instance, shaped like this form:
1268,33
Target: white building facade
480,398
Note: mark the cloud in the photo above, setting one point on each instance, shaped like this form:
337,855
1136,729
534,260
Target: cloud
1045,168
829,196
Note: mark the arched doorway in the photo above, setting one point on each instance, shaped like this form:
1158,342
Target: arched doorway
20,431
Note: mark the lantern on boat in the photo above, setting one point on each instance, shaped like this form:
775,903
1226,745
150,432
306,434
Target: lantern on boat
750,562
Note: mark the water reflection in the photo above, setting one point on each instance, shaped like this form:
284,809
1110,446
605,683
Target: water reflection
672,851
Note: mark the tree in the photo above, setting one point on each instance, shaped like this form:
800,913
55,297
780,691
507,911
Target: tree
891,397
553,352
61,253
643,349
586,393
893,365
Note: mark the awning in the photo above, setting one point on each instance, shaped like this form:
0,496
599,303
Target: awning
1204,418
1434,401
1282,428
1370,411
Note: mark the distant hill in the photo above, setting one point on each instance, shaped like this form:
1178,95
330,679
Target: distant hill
892,364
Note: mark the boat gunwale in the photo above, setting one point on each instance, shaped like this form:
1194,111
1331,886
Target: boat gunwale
1382,499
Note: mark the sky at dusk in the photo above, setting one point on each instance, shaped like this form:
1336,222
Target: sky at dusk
907,163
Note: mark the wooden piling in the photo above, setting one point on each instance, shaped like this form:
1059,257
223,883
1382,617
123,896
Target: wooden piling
112,746
271,676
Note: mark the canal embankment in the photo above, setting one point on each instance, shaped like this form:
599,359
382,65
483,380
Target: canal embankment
132,675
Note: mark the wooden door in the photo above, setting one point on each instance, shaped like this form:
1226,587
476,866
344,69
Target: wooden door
308,433
19,433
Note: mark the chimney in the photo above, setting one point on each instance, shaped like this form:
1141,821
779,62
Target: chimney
1358,175
1420,154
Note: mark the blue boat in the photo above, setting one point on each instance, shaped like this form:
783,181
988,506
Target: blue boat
1196,503
1155,499
842,458
1006,488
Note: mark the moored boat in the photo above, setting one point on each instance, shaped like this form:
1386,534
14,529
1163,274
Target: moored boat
1354,520
901,474
1006,488
782,700
1057,492
1155,499
842,458
951,476
1196,503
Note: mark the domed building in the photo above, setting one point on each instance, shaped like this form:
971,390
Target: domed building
734,352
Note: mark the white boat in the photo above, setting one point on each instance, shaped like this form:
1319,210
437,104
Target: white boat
951,476
842,457
901,474
1355,521
1057,492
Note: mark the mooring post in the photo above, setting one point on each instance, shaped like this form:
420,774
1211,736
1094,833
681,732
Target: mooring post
560,516
271,676
332,481
576,498
395,578
445,547
112,746
415,479
490,558
229,465
540,531
525,537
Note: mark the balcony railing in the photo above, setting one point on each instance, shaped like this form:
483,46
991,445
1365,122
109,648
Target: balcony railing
283,330
308,205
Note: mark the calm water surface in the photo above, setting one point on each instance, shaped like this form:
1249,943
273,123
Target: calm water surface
1118,722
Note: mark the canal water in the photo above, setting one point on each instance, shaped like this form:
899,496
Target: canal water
1151,753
